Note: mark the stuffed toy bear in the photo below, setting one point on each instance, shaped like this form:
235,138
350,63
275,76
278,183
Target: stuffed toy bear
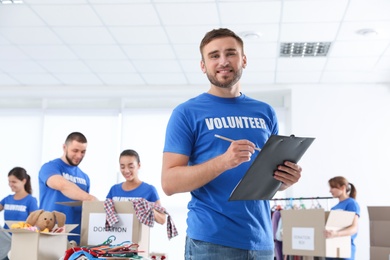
45,221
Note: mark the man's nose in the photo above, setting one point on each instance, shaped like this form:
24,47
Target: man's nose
80,155
223,61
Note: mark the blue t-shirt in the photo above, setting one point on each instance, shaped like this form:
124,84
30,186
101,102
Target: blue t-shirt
18,210
349,204
145,191
49,196
190,131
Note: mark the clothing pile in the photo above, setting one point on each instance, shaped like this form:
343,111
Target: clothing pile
124,249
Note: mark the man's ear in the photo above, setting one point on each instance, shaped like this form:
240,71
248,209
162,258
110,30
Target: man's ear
244,62
202,66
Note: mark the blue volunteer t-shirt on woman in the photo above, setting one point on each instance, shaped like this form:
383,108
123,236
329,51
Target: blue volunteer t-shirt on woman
18,210
349,204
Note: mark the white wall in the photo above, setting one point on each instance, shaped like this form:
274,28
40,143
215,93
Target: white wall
20,145
351,125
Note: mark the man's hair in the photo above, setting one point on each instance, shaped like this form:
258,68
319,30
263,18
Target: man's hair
219,33
76,136
130,152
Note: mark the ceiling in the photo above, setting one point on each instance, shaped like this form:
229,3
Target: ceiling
148,45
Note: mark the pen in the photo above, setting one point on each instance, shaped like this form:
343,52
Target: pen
231,140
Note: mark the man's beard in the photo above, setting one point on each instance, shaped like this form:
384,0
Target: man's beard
70,161
227,84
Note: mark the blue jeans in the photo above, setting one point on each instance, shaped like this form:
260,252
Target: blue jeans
199,250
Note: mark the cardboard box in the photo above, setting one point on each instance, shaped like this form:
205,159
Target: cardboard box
27,244
379,253
379,232
303,232
129,228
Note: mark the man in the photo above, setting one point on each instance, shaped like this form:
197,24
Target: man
197,162
61,180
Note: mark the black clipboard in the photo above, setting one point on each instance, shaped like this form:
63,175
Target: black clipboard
258,182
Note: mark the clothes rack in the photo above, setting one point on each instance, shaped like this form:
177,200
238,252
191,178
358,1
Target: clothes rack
304,198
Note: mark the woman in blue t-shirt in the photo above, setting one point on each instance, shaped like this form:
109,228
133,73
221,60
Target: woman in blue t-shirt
346,193
19,205
133,188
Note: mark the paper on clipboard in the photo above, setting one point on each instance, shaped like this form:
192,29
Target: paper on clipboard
258,182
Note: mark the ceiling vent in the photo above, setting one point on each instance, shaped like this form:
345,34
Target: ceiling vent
304,49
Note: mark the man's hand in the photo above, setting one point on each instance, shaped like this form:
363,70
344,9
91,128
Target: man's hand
238,152
330,233
92,198
289,173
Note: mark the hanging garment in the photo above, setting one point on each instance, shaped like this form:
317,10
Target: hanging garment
111,216
145,214
279,231
276,217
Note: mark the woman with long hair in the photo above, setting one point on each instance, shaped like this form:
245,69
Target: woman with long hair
345,192
21,203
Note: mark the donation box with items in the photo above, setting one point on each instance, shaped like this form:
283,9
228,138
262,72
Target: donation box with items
303,232
129,228
33,245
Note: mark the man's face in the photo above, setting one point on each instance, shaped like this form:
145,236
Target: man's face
223,62
74,152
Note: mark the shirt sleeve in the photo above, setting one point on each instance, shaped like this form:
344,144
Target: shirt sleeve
178,126
48,170
109,195
354,207
32,205
153,194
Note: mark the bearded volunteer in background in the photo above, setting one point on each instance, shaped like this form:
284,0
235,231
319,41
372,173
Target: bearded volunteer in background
61,180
